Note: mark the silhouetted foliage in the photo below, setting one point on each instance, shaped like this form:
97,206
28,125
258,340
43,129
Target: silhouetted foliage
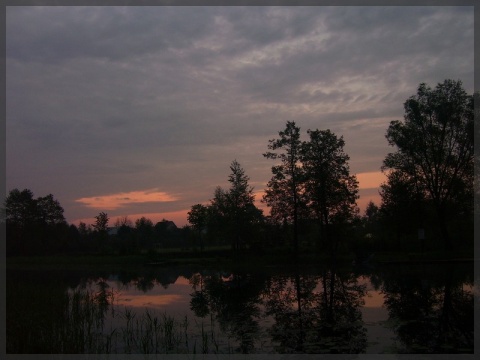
311,195
34,226
284,190
144,231
101,222
231,217
435,150
330,191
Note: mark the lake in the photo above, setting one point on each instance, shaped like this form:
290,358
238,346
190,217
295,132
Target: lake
389,308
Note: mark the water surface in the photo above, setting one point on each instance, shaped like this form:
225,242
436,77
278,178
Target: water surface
424,308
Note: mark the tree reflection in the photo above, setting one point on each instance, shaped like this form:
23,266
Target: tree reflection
316,313
234,301
431,314
199,301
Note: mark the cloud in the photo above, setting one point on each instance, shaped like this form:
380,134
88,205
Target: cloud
106,100
115,201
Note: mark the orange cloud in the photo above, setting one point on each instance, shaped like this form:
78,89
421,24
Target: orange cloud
115,201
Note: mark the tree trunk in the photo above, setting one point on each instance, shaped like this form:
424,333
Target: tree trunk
444,230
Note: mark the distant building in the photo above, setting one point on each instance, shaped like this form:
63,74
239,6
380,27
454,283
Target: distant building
166,225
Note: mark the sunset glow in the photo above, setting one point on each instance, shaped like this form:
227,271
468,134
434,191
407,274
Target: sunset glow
370,180
367,180
151,301
115,201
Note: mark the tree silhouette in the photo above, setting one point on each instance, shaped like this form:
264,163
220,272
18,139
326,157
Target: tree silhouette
330,190
232,213
34,225
101,222
435,149
243,214
283,193
198,218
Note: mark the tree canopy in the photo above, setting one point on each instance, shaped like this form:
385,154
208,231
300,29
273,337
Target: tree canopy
283,193
435,148
330,190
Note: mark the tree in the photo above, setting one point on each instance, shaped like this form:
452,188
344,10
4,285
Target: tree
435,149
217,215
101,222
144,230
241,204
49,210
143,224
233,212
123,221
283,193
33,225
371,212
20,208
330,190
402,205
198,218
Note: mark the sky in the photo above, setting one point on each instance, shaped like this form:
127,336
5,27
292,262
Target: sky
139,111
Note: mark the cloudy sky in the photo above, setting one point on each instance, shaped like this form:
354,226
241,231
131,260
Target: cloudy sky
139,111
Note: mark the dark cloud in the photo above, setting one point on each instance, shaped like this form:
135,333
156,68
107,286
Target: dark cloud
55,34
106,100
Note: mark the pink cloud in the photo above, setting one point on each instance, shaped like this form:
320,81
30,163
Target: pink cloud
115,201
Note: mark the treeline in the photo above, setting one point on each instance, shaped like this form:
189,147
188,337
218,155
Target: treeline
426,202
37,226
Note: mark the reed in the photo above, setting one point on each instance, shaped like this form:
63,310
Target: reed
89,322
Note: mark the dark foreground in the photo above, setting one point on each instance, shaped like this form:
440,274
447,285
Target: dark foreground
203,305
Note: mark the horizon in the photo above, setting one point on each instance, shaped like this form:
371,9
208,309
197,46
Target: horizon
180,217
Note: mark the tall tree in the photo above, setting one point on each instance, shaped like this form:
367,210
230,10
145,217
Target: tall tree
198,218
402,207
435,148
217,215
49,210
144,231
233,211
33,225
20,208
101,222
283,193
330,189
241,204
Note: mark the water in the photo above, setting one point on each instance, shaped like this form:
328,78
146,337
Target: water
424,308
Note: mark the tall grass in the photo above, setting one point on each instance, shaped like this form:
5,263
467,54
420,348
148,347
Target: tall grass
82,323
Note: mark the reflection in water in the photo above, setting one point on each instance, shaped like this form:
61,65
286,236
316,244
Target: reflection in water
430,310
316,314
234,301
431,314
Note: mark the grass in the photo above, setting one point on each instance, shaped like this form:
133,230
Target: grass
87,322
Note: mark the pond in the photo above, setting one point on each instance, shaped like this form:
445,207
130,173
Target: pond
422,308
